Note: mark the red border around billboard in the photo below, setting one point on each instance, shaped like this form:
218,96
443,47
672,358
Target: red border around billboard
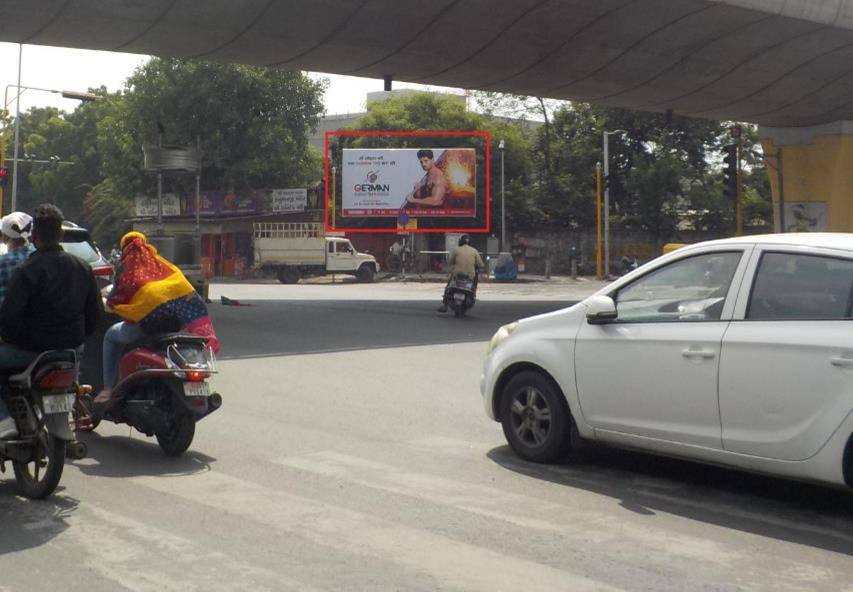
484,134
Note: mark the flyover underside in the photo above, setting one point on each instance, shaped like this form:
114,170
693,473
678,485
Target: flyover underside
775,63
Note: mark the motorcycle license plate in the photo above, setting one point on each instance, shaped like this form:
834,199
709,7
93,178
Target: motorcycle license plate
459,297
196,389
63,403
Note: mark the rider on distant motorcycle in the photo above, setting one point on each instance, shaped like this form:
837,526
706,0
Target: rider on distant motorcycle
464,260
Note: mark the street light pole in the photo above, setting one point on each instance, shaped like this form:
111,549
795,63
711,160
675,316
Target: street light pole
66,94
14,200
606,134
501,147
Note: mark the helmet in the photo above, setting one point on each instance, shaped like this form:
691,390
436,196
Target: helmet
463,240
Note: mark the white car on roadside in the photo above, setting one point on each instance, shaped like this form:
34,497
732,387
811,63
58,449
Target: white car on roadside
735,352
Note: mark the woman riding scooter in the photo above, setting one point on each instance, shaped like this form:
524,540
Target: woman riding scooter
152,296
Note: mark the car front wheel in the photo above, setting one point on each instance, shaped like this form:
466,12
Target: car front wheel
535,418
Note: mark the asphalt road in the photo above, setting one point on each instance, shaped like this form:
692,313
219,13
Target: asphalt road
352,453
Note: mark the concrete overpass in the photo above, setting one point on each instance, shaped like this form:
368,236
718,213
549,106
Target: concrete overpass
780,63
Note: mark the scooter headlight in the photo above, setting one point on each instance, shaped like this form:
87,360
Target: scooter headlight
501,336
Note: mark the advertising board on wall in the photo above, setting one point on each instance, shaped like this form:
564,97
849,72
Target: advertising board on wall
227,203
420,183
289,200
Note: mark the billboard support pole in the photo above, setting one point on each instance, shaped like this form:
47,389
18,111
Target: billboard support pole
334,178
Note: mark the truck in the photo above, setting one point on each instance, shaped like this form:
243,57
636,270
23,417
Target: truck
292,250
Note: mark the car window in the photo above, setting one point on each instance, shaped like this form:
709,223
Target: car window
790,286
331,247
83,250
692,289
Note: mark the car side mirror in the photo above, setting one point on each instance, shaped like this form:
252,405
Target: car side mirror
600,310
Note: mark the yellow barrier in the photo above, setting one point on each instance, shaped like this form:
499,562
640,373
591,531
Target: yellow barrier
670,247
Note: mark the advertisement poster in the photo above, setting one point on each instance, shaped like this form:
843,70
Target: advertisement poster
227,203
146,207
807,216
420,183
289,200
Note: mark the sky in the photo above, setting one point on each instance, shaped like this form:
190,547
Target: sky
60,68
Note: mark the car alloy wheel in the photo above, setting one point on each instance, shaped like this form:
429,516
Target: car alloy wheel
535,417
531,416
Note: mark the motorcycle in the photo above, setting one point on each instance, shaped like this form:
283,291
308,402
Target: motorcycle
40,400
162,391
462,293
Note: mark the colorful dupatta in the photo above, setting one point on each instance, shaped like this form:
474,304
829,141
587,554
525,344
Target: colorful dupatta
153,293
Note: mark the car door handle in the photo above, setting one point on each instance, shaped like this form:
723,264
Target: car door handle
842,362
705,354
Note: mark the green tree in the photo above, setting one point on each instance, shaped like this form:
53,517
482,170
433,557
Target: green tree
253,124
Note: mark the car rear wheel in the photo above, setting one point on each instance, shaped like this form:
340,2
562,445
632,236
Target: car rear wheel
535,418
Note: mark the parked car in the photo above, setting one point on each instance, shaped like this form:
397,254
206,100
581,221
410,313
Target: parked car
735,352
78,241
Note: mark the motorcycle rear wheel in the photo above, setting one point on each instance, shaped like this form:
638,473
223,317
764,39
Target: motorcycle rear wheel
178,438
35,480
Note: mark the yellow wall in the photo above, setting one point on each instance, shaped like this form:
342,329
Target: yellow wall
820,171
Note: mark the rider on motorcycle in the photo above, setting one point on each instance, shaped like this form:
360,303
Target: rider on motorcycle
464,260
15,231
52,302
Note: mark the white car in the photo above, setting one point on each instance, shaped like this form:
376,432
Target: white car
735,352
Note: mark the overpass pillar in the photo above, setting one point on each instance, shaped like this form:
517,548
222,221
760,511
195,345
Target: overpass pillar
816,179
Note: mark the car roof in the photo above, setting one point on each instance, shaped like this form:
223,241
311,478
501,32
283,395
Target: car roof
825,240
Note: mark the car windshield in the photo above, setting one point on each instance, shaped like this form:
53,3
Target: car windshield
84,250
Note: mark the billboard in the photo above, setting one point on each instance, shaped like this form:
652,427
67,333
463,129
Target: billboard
425,182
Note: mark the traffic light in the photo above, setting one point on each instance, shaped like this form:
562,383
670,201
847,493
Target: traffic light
730,172
4,176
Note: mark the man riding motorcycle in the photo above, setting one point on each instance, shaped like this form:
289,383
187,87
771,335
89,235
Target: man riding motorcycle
464,260
52,302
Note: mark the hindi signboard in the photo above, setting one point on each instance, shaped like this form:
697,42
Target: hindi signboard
146,207
420,183
289,200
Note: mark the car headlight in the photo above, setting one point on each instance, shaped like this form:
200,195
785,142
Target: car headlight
501,336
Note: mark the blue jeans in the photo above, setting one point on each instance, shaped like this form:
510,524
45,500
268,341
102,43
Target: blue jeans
116,337
13,357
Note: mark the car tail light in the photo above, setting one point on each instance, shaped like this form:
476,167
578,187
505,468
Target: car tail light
56,379
197,375
106,270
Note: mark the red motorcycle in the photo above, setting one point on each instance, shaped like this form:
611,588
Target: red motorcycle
162,391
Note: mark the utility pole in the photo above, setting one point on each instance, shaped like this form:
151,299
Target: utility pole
606,216
598,269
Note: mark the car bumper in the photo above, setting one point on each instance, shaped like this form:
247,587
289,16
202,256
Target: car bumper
488,378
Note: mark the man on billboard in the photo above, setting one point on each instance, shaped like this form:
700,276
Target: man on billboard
430,191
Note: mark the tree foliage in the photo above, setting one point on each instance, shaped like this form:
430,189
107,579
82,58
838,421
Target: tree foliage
252,123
